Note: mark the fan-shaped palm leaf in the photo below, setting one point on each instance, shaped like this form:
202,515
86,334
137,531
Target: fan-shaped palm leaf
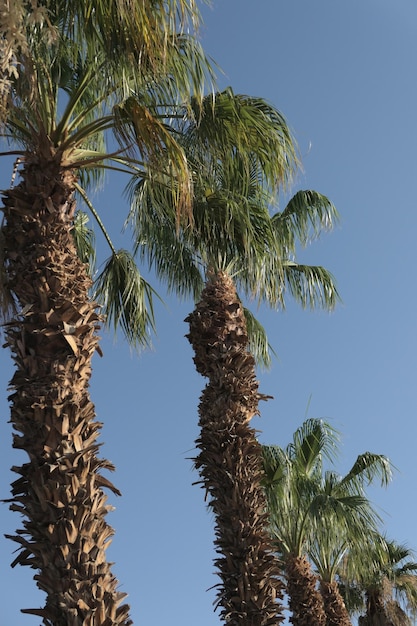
127,297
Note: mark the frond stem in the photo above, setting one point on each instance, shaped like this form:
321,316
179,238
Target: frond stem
96,216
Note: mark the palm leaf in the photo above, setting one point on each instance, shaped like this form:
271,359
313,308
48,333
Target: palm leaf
126,298
306,215
84,240
311,286
367,468
258,340
233,124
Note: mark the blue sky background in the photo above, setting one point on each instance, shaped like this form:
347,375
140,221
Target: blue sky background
344,75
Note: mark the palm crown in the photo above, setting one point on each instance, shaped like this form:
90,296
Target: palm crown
317,515
240,152
95,86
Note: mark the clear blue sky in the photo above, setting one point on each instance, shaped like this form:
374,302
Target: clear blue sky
344,75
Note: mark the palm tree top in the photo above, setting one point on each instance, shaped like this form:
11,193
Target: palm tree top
380,570
91,87
307,502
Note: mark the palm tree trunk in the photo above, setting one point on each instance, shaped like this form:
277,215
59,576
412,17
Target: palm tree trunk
380,611
305,601
334,606
230,458
52,339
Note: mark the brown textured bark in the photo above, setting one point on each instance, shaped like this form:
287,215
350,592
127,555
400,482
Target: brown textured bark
382,611
229,460
52,339
334,606
305,601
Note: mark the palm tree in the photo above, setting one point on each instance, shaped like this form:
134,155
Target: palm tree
240,149
380,582
291,479
347,520
72,72
309,508
326,551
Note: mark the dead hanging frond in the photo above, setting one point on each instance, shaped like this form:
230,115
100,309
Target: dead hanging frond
17,18
13,39
7,303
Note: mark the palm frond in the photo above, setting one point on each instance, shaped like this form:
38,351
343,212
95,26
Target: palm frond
170,255
84,240
138,129
126,298
139,40
275,463
312,441
311,286
306,216
258,340
233,124
367,468
312,448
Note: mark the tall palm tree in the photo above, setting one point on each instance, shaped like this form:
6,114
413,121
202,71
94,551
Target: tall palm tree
72,71
308,507
241,149
380,583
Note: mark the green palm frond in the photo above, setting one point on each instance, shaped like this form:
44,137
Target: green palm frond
311,286
153,220
306,216
143,133
367,468
380,568
314,440
84,240
317,512
275,463
292,481
187,70
258,340
348,510
230,124
225,141
126,298
343,518
139,40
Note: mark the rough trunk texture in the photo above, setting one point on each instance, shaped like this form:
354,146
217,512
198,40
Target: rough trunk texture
305,601
334,606
52,339
230,462
382,611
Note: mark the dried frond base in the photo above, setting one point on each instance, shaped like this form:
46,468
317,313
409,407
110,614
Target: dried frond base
60,489
230,462
305,601
334,606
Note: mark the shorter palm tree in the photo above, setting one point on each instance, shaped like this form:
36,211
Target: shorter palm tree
314,515
346,518
379,582
291,481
